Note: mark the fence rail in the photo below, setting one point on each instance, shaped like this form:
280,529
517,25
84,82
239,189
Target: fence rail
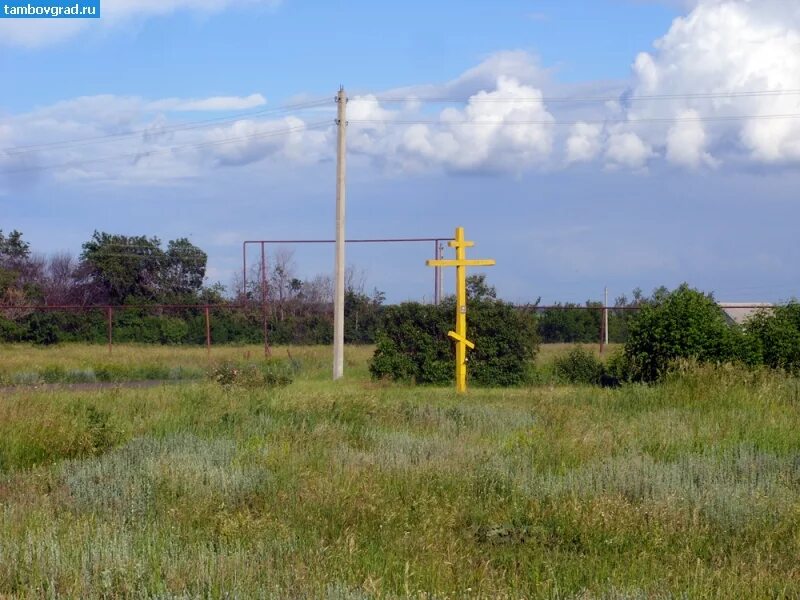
551,328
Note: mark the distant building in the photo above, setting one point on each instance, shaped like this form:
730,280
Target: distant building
739,312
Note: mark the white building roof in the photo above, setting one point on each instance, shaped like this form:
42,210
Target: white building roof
739,312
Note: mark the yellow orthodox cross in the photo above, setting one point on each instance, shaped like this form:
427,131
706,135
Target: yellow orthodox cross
460,334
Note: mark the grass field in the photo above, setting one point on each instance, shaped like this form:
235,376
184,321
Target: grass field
22,364
363,489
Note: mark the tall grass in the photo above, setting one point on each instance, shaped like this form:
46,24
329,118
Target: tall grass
362,490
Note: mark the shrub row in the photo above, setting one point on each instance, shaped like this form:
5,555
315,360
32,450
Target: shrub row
682,325
413,345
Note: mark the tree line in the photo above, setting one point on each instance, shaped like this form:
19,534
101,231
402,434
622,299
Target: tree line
147,277
143,274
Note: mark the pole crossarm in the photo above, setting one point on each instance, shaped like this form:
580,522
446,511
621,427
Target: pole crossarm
460,334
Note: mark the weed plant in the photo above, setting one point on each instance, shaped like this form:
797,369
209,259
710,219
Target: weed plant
361,489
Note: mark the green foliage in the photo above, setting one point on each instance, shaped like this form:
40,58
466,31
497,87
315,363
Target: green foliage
43,328
413,344
618,367
345,491
9,331
570,323
478,289
684,324
173,330
13,247
578,366
136,268
184,269
270,374
774,337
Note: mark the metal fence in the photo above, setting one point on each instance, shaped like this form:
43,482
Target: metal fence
257,322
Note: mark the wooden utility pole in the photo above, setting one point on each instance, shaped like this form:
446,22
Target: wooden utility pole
338,298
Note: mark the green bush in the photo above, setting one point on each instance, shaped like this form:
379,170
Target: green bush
578,366
9,330
412,344
774,337
273,373
173,330
685,324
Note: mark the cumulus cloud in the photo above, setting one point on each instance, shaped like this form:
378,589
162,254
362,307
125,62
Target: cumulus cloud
698,79
523,66
503,126
43,32
506,128
248,141
686,142
627,149
722,47
125,139
584,142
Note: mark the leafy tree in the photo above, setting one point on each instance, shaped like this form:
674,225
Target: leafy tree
125,267
135,268
20,273
478,289
184,269
684,323
571,323
13,247
362,315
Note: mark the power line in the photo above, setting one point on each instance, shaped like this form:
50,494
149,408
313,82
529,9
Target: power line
688,96
699,119
148,153
190,125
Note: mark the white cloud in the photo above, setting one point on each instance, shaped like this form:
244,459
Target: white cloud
724,46
34,33
584,142
505,125
627,149
249,141
122,140
506,128
686,142
523,66
215,103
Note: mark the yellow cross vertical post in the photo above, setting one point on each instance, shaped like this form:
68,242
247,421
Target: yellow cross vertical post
460,334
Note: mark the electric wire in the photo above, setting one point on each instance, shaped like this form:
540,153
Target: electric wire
193,125
148,153
65,144
186,126
699,119
555,99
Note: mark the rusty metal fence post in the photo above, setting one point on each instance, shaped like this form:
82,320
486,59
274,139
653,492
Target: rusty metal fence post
110,315
264,300
208,331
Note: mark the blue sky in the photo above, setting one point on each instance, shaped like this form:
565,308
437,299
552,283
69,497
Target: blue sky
577,196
